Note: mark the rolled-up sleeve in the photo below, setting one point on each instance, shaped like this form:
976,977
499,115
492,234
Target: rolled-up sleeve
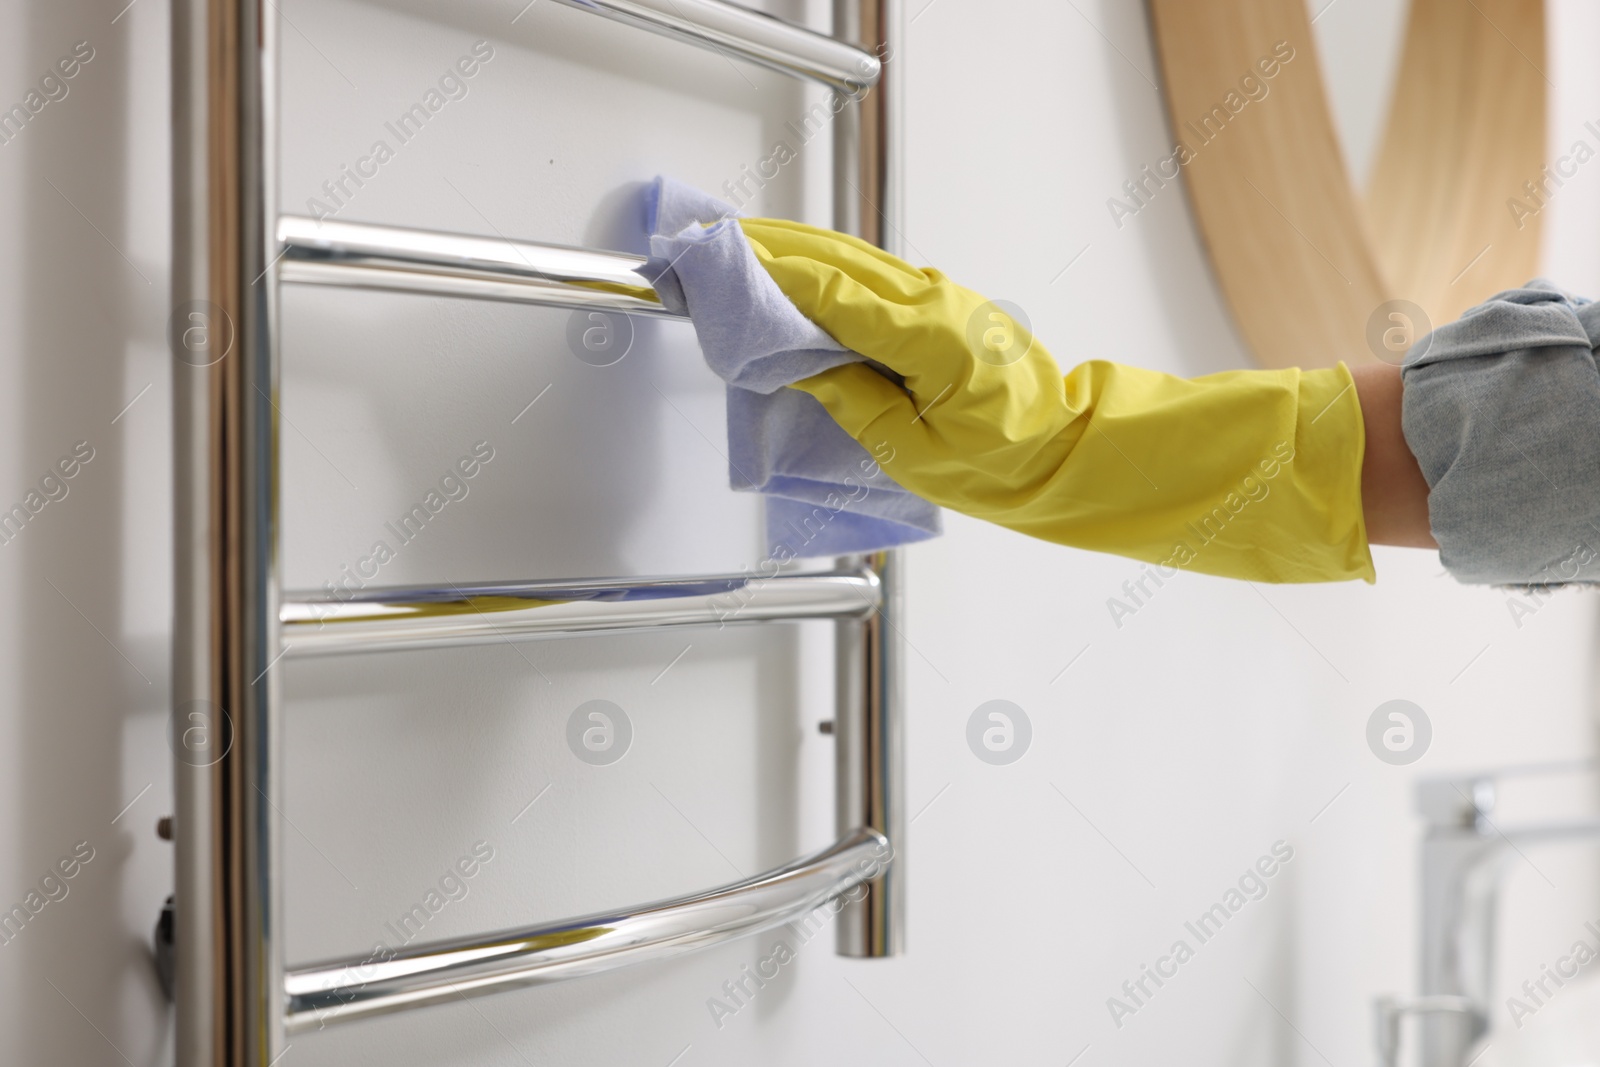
1502,410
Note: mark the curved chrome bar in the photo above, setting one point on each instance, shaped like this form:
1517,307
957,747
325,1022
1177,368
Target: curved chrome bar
364,255
341,990
754,35
374,620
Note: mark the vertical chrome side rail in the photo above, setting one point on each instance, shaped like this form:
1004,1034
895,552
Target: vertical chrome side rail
868,752
866,146
229,966
869,722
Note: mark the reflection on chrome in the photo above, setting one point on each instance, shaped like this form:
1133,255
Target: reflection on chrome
342,990
731,29
362,255
378,619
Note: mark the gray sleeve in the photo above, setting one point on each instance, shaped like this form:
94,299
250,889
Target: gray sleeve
1502,410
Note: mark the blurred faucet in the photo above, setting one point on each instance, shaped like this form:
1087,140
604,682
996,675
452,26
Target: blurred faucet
1465,855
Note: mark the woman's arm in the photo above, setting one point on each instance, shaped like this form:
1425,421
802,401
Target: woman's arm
1394,495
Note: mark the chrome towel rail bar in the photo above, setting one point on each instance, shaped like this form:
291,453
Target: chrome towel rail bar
363,255
377,620
753,35
355,988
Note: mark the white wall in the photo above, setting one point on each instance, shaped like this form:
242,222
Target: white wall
1173,751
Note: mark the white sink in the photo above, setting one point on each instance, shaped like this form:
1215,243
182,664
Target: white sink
1565,1032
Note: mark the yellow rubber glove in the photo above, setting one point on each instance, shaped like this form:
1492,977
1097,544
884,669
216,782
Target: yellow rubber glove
1244,474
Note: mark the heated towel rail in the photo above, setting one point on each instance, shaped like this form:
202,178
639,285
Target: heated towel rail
236,998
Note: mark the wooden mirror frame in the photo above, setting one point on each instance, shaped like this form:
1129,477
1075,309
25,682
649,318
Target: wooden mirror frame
1308,265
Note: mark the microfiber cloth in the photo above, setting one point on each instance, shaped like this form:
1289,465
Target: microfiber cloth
825,495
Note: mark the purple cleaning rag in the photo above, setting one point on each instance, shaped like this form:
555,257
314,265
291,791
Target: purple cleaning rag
825,495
